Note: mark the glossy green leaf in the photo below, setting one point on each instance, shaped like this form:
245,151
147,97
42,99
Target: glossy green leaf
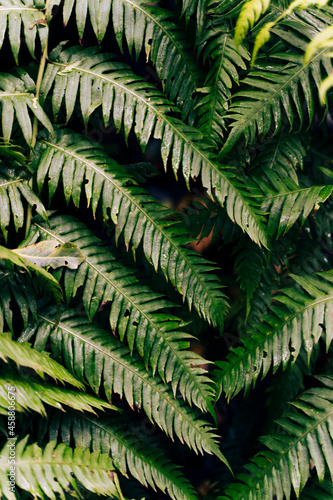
138,314
59,468
148,112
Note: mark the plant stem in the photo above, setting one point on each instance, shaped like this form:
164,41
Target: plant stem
38,85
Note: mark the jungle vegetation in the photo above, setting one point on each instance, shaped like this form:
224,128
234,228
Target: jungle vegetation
166,216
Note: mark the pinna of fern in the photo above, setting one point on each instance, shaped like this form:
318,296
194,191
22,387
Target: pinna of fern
40,397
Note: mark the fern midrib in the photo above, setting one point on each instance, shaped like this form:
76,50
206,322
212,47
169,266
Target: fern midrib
47,393
145,380
149,319
293,445
145,214
20,8
290,193
40,461
15,94
258,107
167,32
9,183
166,119
263,339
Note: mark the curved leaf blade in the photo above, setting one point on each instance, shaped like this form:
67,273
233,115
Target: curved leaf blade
147,111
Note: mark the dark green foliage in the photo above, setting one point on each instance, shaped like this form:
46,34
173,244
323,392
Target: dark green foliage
166,283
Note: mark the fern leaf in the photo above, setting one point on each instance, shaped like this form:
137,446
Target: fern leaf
258,107
101,359
264,34
286,386
303,434
129,454
221,50
24,355
17,97
147,110
249,265
300,317
281,154
56,469
134,311
14,189
249,15
32,395
151,28
136,214
16,15
286,202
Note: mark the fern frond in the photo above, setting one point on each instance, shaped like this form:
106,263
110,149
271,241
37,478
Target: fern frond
136,215
56,469
97,356
256,111
129,454
151,28
300,317
285,201
264,34
286,386
31,395
17,98
251,11
16,15
304,433
282,155
249,265
24,355
14,189
322,40
225,60
148,111
137,313
258,108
